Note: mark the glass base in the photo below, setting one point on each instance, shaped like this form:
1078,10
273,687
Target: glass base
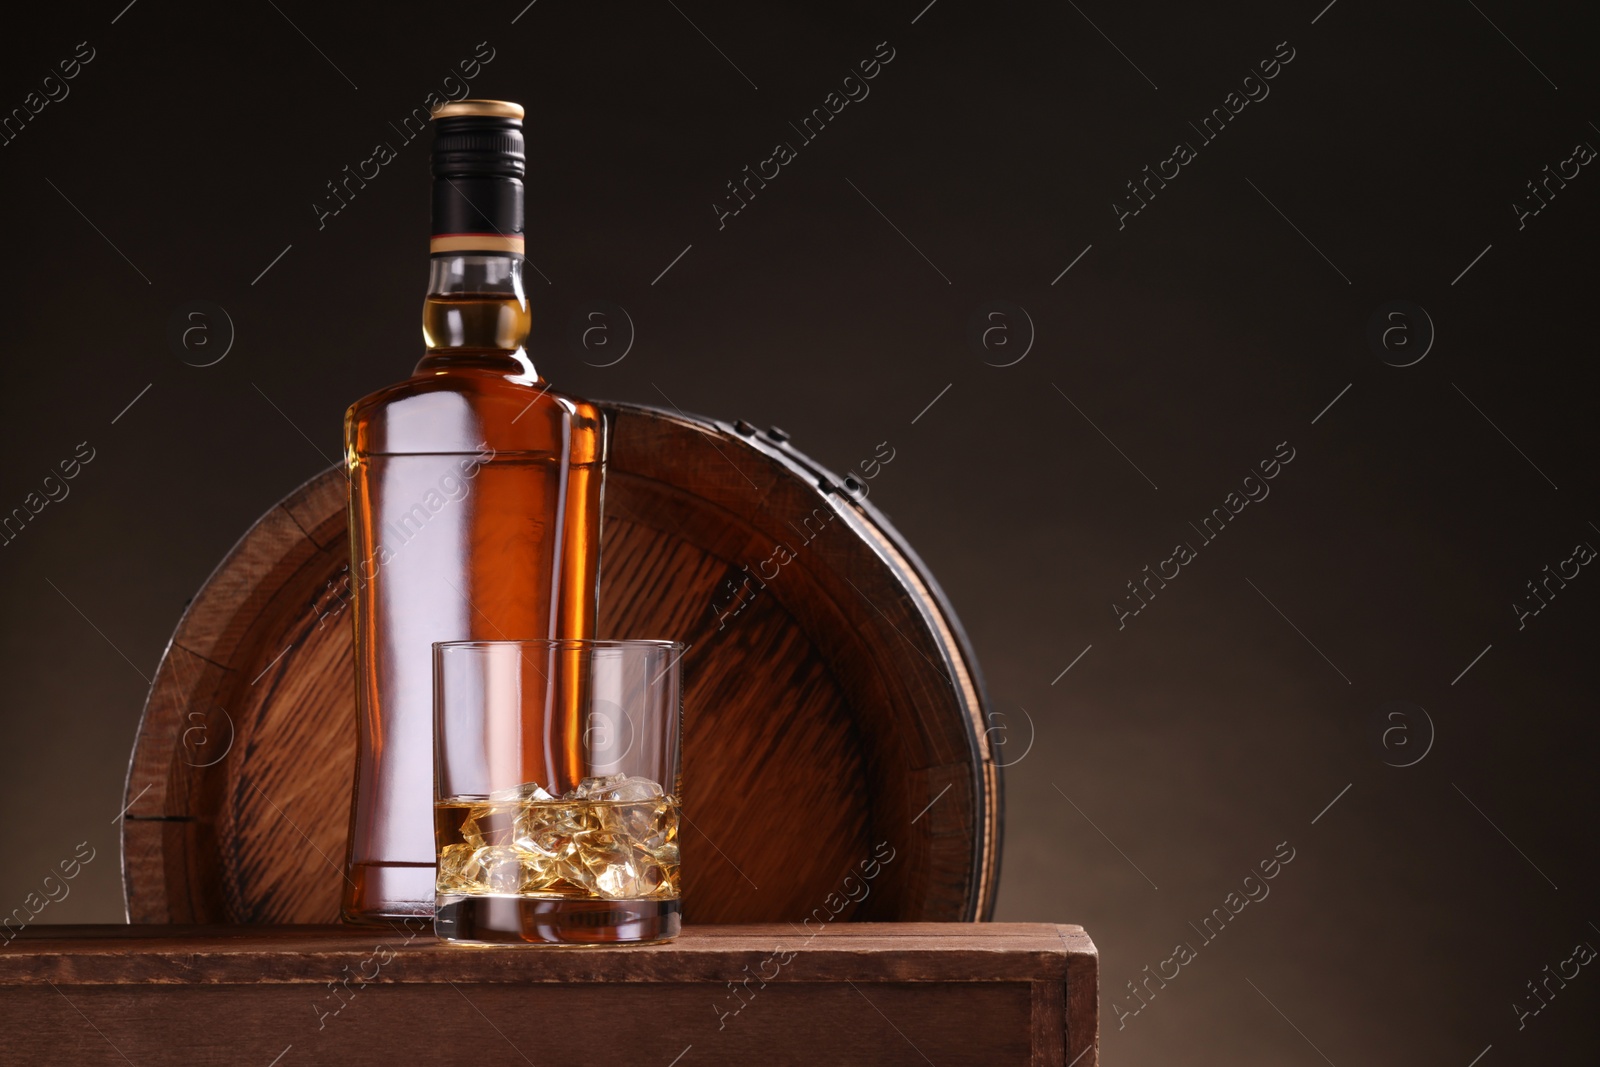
500,920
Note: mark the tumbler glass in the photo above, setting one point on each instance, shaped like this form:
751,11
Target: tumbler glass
556,788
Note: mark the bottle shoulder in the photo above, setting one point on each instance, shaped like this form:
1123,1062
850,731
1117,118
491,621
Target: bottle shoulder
464,410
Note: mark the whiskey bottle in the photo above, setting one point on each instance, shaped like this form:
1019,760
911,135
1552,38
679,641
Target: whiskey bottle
475,494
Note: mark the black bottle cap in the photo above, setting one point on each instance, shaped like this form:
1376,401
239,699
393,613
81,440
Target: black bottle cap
478,163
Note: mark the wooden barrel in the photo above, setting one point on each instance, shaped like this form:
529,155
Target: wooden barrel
834,717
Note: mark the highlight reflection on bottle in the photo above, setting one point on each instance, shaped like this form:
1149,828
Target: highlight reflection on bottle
475,495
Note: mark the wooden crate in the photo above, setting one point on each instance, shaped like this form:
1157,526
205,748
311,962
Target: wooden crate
851,993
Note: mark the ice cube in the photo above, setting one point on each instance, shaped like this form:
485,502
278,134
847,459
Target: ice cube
546,829
617,787
633,789
525,791
490,869
486,824
451,860
649,823
652,879
605,865
592,788
540,872
658,866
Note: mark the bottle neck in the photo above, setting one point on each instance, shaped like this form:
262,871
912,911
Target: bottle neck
477,312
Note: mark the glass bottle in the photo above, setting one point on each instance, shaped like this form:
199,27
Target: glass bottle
475,494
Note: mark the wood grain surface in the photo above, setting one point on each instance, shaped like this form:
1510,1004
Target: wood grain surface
833,712
855,993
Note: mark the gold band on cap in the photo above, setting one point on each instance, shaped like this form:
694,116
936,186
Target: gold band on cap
474,242
497,109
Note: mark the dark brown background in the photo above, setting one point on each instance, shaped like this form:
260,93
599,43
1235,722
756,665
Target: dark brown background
1197,338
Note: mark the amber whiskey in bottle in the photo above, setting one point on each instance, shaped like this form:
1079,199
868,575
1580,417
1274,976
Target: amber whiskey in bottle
475,495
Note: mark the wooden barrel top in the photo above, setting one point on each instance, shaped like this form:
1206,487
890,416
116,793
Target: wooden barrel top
833,714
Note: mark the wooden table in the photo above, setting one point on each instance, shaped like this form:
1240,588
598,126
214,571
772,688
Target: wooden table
852,993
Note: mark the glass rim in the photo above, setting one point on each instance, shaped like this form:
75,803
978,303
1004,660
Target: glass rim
558,643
